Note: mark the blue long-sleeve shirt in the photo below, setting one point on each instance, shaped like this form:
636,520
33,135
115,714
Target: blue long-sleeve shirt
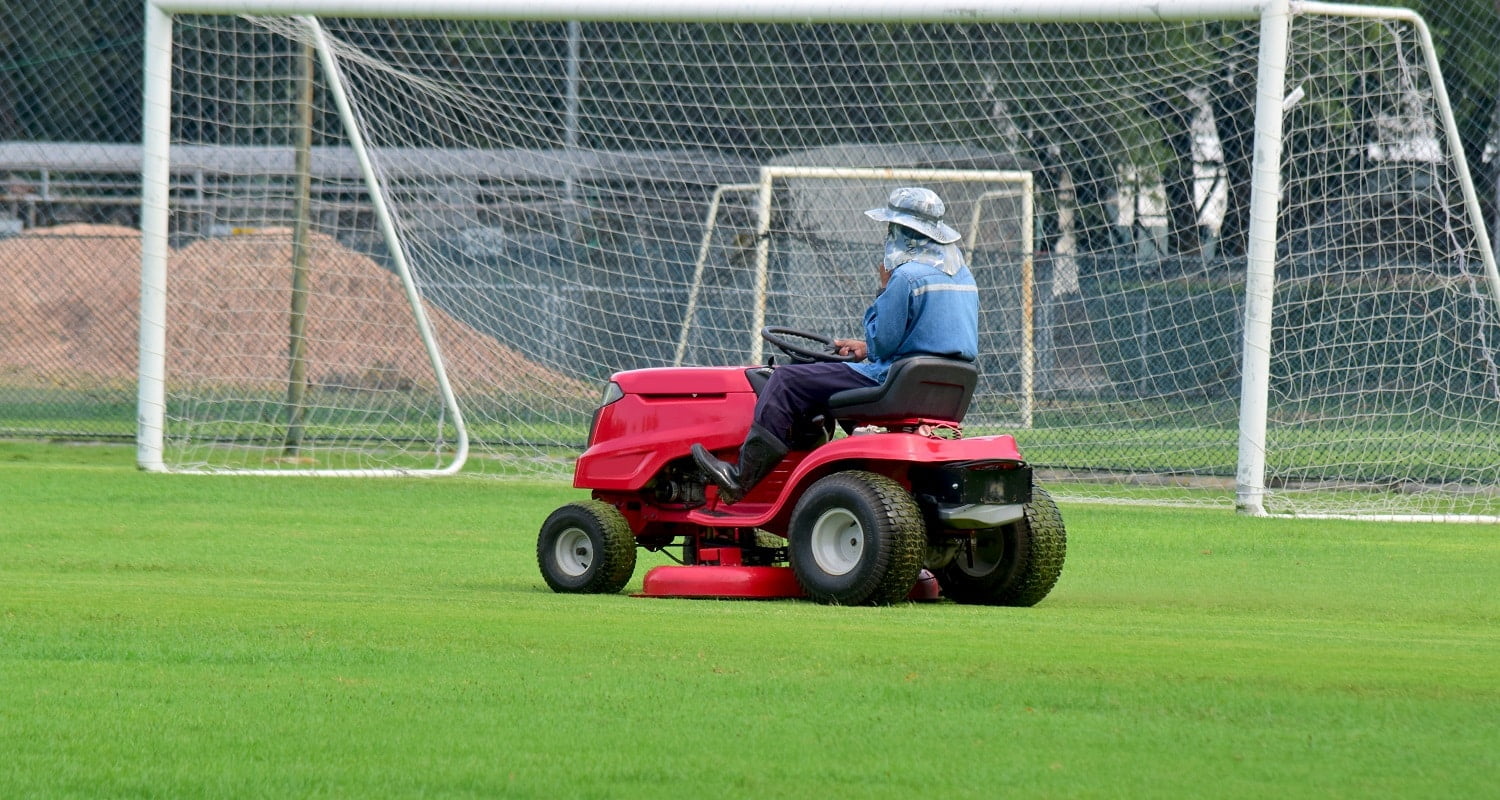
921,311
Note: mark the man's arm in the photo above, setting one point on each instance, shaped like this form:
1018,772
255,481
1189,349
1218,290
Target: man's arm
885,321
858,348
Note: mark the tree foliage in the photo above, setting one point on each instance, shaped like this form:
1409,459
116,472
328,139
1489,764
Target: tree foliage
70,70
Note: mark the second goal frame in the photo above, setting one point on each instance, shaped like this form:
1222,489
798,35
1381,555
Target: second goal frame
1022,186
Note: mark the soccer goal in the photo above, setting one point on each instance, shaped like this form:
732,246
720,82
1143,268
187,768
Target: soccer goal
1248,269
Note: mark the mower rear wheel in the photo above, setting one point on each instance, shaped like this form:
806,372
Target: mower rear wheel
857,538
1013,565
586,548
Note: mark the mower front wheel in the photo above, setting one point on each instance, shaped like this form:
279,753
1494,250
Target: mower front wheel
857,538
586,548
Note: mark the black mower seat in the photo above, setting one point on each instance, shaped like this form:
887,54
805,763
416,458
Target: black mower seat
920,387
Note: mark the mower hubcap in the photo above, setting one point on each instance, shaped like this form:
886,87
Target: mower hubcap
574,552
988,552
837,541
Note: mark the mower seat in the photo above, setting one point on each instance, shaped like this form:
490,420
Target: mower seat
916,389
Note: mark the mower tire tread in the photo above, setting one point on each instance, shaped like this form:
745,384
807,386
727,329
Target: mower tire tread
1034,549
611,542
888,571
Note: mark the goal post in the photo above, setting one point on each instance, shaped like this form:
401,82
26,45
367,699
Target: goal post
1255,275
1260,259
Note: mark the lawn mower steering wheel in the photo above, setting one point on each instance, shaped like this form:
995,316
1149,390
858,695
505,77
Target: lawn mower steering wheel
784,339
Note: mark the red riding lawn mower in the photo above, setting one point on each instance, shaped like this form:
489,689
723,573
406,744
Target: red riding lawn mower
899,507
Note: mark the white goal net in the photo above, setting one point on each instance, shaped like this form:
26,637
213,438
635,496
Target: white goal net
568,199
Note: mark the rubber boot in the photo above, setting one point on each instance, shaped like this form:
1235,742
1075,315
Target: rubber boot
760,454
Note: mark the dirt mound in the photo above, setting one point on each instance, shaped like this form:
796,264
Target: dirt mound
83,229
73,315
228,317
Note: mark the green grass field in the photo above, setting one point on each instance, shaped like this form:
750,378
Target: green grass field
183,636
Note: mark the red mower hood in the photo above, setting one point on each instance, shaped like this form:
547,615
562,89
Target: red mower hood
683,380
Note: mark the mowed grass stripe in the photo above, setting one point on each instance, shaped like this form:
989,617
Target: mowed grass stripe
209,636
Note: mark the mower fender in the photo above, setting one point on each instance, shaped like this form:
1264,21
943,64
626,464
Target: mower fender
863,452
910,448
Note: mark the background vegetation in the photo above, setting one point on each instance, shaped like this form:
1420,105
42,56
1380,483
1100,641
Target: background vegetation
76,76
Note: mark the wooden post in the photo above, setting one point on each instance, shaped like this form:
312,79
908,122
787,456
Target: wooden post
296,387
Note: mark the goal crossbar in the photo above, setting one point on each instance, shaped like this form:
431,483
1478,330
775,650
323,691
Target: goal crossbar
741,11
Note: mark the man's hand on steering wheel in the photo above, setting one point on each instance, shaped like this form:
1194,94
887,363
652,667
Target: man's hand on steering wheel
852,347
817,347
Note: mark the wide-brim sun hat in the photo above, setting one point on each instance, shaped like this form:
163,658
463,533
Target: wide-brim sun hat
918,209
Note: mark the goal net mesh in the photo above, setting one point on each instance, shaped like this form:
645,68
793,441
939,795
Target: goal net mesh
551,184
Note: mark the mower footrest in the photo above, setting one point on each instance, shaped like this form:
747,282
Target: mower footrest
971,516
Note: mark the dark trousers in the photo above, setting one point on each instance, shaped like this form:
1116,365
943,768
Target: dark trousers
798,392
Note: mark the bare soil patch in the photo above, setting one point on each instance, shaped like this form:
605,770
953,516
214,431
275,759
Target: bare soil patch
73,317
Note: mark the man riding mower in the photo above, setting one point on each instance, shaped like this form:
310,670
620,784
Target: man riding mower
864,517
